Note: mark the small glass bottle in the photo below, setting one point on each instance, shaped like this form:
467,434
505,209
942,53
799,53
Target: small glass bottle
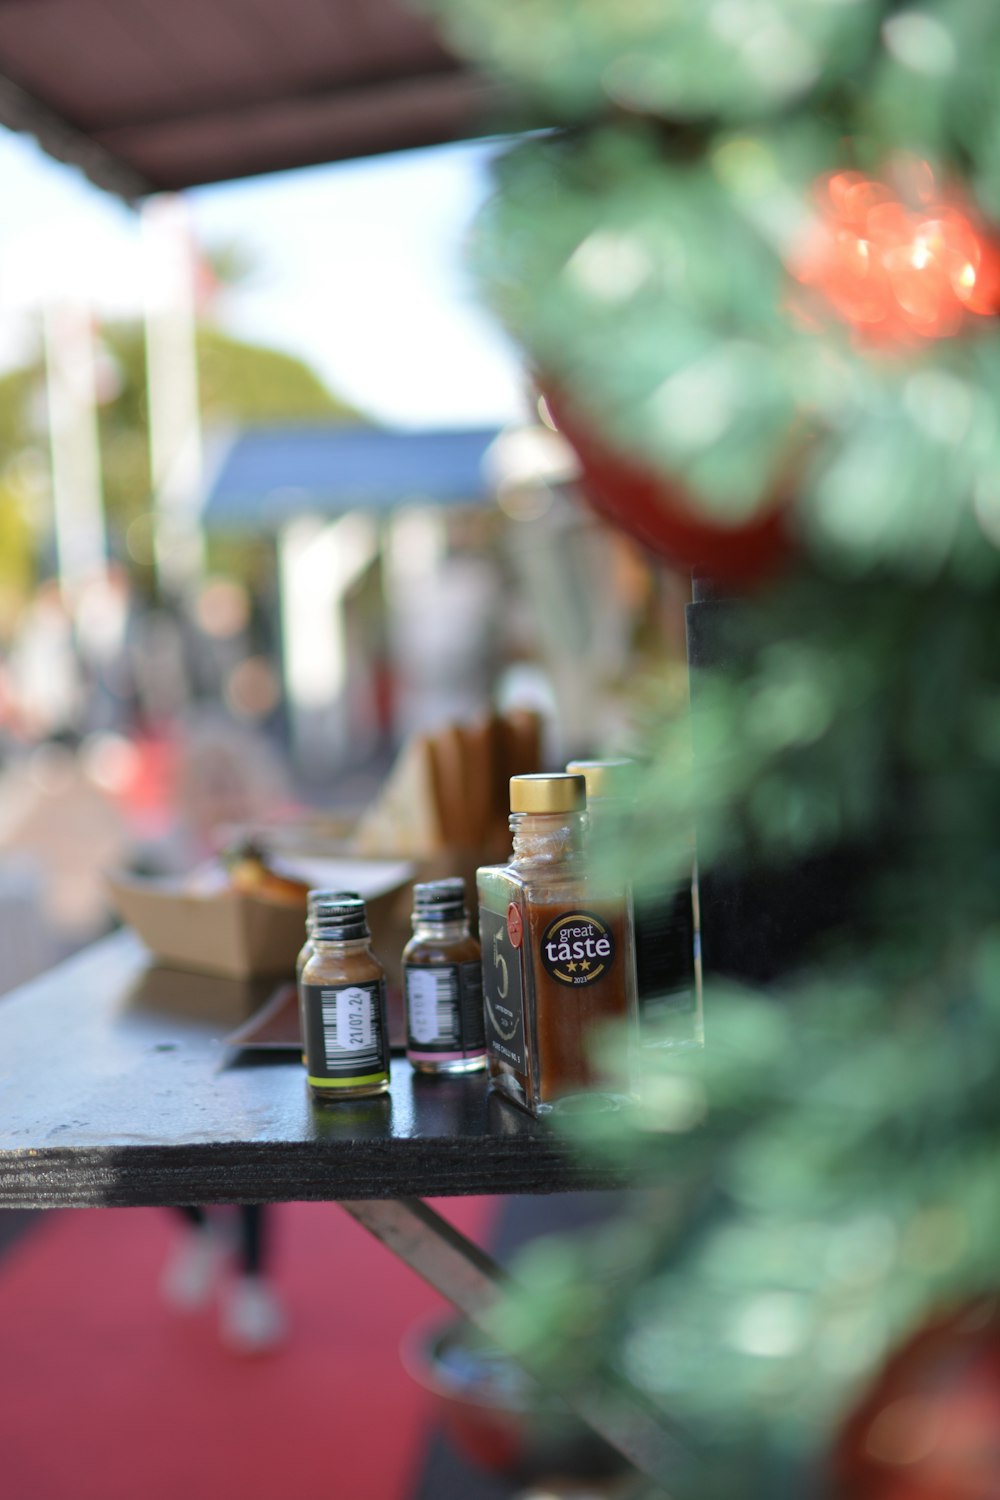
342,1001
443,983
306,951
556,948
668,972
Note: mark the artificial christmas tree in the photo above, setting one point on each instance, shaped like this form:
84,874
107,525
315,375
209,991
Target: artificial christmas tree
754,257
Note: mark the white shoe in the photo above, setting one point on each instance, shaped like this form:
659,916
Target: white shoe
252,1320
189,1276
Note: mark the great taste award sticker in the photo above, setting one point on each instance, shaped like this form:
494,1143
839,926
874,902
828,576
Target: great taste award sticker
577,948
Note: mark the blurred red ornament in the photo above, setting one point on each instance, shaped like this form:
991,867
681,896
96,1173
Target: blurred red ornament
660,514
899,271
929,1427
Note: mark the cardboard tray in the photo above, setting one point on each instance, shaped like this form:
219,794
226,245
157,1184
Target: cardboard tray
242,936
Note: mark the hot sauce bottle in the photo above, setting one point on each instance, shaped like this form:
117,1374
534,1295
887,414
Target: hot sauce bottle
556,953
443,983
342,1004
306,951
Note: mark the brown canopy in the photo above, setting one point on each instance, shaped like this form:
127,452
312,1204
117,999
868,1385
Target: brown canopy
149,95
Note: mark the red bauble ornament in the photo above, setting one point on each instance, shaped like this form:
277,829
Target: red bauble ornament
929,1427
661,515
899,267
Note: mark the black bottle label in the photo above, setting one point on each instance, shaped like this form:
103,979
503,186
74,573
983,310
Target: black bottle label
444,1009
346,1035
503,988
577,948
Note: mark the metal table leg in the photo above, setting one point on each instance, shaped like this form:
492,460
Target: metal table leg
469,1278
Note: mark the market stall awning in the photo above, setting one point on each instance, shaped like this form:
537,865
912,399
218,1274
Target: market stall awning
263,478
149,95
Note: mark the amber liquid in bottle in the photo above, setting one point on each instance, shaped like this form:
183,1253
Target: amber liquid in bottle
314,899
443,983
568,1018
557,960
342,1005
664,922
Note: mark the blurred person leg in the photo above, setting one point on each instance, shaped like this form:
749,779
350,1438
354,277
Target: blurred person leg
195,1264
252,1319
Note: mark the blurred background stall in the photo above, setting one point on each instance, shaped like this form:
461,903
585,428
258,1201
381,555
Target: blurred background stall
275,501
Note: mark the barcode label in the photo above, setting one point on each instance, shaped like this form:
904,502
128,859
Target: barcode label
345,1030
432,1006
444,1007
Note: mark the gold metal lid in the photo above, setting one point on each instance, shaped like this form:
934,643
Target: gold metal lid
604,778
555,793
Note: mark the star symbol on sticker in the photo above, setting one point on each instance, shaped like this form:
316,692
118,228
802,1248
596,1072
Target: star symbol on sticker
585,963
571,968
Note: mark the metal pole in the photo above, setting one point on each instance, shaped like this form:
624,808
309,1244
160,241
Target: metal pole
71,376
318,561
175,440
463,1273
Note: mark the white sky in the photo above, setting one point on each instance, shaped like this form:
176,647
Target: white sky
358,270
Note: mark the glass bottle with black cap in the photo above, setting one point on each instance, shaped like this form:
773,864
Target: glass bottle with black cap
306,951
342,1004
443,983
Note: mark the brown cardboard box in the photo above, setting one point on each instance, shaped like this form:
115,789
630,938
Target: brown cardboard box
442,812
193,924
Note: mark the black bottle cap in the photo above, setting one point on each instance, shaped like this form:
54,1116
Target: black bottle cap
339,916
315,897
440,900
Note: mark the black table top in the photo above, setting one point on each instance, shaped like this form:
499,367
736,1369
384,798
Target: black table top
116,1088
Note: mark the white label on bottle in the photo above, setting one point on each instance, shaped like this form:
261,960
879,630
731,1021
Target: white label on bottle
354,1018
422,1000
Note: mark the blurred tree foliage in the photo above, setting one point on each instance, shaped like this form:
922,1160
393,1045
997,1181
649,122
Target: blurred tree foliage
823,1176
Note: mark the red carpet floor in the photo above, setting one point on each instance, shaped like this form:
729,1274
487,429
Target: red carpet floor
105,1394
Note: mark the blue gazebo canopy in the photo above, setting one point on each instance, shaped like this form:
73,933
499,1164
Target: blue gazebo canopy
265,477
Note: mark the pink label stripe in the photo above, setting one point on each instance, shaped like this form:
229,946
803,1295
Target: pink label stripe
445,1056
